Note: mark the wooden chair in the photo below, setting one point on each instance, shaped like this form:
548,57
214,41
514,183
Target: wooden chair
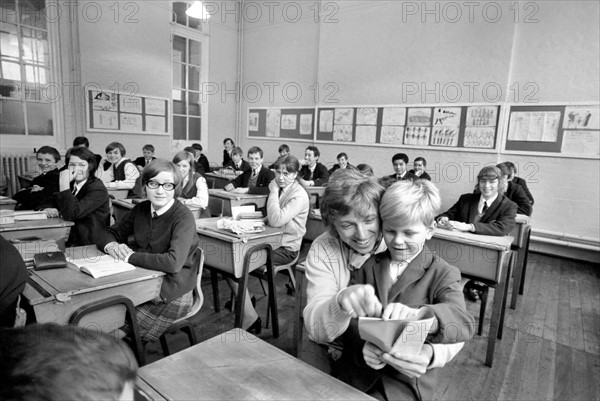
87,316
183,324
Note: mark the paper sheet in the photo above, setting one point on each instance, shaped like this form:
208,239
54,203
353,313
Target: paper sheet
405,336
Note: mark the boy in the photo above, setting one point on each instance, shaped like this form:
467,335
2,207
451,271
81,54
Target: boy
517,180
44,185
143,161
283,150
83,141
342,159
403,283
313,173
201,164
400,162
515,192
237,163
255,180
419,169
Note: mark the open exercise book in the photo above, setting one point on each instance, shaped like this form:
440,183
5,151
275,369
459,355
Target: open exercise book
101,266
405,336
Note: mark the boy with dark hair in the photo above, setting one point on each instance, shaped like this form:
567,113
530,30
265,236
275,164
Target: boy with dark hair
148,156
82,141
44,185
255,180
237,162
201,164
517,180
515,192
313,173
419,169
342,163
400,162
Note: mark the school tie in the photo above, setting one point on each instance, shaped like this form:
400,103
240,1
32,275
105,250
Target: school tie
253,173
154,215
280,192
485,207
74,191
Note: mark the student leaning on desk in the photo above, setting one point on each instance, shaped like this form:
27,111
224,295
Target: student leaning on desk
45,184
256,179
165,236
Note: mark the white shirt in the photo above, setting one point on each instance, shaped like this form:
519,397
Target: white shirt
77,187
488,201
162,210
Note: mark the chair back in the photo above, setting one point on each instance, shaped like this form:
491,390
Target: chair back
197,294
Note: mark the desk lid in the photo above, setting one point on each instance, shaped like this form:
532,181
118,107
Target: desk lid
36,224
221,193
501,243
209,228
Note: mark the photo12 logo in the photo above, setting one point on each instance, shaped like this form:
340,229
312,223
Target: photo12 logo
470,11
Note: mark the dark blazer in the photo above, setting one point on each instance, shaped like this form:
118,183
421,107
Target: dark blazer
408,176
89,210
320,176
427,281
226,158
13,276
27,200
140,161
499,219
265,176
201,165
424,176
337,167
245,166
523,184
517,194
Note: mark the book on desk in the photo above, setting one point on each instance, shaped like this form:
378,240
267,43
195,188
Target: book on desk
101,266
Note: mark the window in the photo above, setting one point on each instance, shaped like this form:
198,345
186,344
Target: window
189,65
25,90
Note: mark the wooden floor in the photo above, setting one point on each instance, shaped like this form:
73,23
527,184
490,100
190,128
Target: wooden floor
550,349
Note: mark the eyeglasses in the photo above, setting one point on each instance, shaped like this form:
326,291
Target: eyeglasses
167,186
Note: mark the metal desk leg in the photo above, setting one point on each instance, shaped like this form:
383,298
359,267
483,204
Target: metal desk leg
214,279
297,334
522,283
496,315
511,262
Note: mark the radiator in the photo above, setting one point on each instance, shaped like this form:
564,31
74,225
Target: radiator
11,166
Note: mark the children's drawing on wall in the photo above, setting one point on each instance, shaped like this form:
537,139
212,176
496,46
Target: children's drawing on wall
366,116
391,135
394,116
419,116
342,133
479,137
252,121
444,136
447,116
478,116
416,135
105,101
534,126
326,121
306,123
273,122
366,134
582,117
344,116
288,121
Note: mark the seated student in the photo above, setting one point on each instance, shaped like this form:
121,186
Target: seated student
336,275
13,276
254,180
165,240
515,192
194,190
365,169
342,159
400,163
517,180
237,163
287,207
56,363
201,164
83,141
82,199
227,152
313,173
283,150
148,156
419,169
45,184
119,172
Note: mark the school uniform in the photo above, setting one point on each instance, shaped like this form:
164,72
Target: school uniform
319,175
28,200
226,157
498,219
243,165
142,162
256,184
13,276
408,176
201,165
119,175
337,167
517,194
423,176
523,184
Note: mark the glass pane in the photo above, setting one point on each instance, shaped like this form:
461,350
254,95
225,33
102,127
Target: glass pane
177,95
179,126
33,13
195,52
11,89
35,46
11,71
194,83
9,41
12,121
179,49
179,105
179,75
194,104
39,118
8,11
35,74
35,92
195,23
194,132
179,8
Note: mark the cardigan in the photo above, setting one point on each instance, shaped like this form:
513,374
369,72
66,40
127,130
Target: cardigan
28,200
320,175
290,211
166,243
265,176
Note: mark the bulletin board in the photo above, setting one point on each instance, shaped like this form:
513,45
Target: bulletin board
132,114
441,126
278,122
566,130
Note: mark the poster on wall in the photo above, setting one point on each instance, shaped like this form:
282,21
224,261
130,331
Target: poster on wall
326,121
131,122
130,104
419,116
392,135
306,124
447,116
277,122
252,121
480,137
535,126
445,136
366,134
344,116
273,122
155,106
394,116
417,136
106,101
366,116
582,117
342,133
106,120
485,116
581,143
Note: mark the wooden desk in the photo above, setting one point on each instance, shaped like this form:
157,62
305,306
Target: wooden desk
481,257
56,229
118,193
314,225
123,206
218,180
220,201
55,294
315,194
239,366
521,234
7,203
225,252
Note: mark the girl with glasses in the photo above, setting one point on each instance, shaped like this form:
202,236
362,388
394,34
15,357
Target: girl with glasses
165,240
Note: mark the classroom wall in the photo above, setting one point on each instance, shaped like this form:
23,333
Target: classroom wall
376,51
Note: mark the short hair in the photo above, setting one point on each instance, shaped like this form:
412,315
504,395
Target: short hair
411,202
116,145
189,149
228,139
196,146
315,150
349,191
343,154
512,167
255,149
421,159
237,151
158,166
187,156
283,147
49,150
504,169
399,156
291,163
365,169
491,173
87,155
149,147
52,362
81,140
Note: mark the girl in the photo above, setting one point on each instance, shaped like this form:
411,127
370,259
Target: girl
119,172
194,190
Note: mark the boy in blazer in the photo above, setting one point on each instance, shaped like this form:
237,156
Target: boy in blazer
143,161
44,185
313,173
400,163
256,179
